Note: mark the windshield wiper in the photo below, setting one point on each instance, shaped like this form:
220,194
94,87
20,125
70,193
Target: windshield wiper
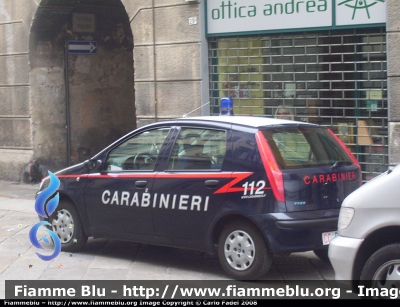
340,163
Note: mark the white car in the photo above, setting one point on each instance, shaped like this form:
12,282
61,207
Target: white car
367,248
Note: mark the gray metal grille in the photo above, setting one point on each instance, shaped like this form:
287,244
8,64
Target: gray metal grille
333,78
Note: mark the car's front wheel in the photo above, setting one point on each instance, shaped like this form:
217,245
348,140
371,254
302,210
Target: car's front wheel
382,269
66,224
242,251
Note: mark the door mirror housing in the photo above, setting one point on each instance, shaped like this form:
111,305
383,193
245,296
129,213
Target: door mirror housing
93,164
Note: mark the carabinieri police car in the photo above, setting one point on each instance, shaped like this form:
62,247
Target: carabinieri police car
242,187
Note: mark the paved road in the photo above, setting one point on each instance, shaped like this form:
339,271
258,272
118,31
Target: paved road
105,259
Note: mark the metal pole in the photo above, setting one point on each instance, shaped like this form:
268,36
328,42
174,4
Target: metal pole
67,105
154,63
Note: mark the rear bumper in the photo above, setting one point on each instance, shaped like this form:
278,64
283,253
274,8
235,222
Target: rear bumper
303,224
297,232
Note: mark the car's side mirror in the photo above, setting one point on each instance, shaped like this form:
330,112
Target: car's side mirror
92,164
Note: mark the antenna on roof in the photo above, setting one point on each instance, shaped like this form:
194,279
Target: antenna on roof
186,114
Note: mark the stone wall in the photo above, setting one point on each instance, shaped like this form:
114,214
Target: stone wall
16,150
168,75
393,46
168,81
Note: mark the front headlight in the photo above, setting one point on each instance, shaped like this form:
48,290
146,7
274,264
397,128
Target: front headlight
345,216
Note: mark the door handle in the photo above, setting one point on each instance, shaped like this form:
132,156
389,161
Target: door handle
140,184
211,183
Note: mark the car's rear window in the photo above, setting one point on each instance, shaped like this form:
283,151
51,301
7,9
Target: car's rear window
299,147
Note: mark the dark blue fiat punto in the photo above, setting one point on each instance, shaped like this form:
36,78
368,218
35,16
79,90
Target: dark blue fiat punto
243,187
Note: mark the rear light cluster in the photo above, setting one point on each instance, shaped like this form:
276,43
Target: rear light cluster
274,173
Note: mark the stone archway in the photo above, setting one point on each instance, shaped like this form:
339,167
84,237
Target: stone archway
80,102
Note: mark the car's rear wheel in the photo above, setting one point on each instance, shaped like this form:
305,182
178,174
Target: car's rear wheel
66,224
382,269
242,251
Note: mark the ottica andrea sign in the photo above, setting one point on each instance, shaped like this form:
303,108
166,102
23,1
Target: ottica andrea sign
242,16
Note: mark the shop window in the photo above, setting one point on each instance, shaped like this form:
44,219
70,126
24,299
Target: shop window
326,77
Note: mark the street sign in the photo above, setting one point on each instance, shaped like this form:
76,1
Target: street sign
82,47
83,23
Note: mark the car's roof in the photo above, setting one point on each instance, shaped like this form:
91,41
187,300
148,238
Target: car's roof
251,121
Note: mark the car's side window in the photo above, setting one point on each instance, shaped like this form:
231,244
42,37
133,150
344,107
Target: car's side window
198,149
137,153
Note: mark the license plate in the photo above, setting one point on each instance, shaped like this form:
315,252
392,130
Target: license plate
328,236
